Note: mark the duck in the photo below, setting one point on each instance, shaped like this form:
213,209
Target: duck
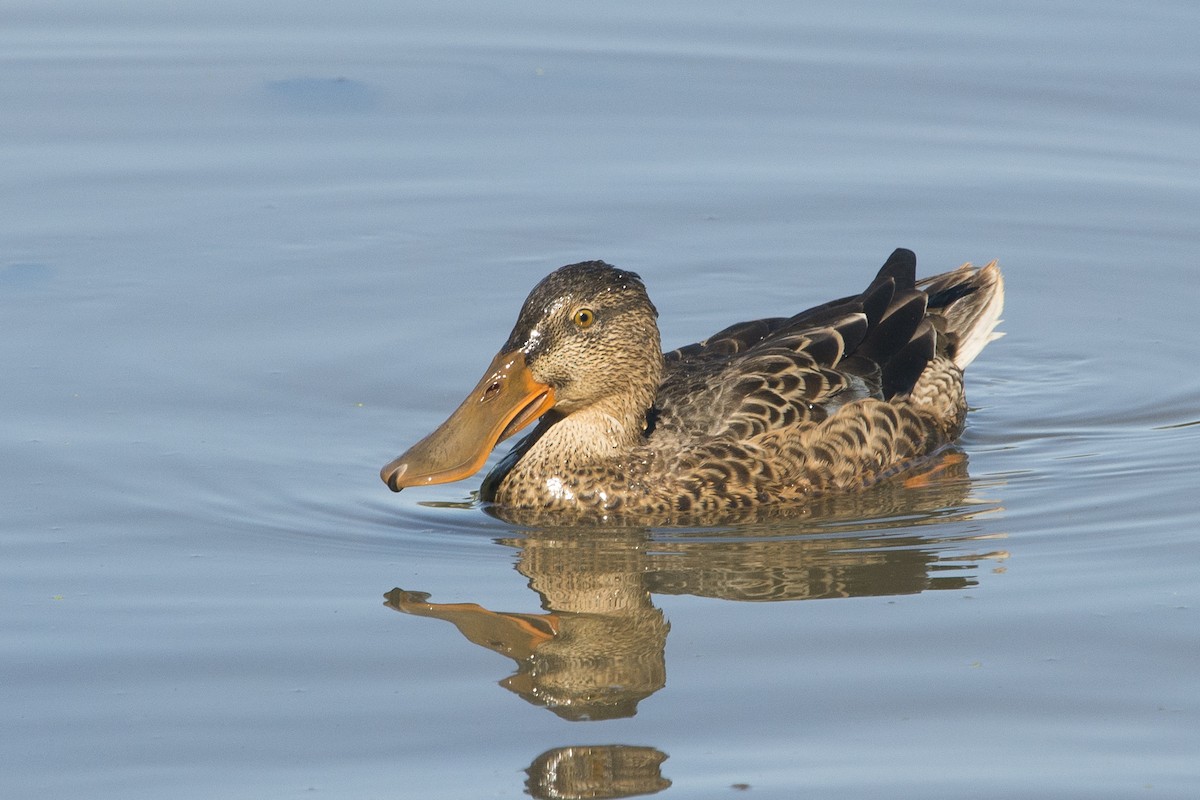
765,413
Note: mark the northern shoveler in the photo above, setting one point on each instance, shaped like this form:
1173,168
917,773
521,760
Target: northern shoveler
772,411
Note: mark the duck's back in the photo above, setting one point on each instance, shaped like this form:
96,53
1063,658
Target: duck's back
853,387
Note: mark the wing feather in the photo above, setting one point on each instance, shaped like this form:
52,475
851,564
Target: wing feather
766,375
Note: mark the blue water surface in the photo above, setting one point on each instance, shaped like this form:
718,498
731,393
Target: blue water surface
249,253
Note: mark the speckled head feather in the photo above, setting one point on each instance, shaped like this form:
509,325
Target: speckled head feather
594,282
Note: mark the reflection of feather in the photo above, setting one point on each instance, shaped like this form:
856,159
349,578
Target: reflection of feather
596,772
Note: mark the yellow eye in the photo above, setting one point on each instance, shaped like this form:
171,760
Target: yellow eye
584,317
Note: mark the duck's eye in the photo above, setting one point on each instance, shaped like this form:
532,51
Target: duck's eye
584,317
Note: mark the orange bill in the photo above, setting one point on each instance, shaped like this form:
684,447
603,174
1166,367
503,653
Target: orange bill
504,401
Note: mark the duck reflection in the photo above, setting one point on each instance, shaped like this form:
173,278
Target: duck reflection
599,648
596,771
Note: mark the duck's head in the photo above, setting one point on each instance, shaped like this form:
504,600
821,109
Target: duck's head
586,338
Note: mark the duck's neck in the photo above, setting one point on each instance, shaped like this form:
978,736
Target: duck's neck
562,449
593,434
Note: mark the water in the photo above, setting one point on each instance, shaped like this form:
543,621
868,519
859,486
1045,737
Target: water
249,254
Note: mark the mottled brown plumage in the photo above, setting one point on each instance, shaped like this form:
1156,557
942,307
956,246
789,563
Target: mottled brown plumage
772,411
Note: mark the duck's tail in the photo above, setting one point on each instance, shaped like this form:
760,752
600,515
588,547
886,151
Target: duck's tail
965,306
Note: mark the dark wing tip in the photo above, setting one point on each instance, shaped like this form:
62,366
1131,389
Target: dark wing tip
904,368
896,328
902,266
